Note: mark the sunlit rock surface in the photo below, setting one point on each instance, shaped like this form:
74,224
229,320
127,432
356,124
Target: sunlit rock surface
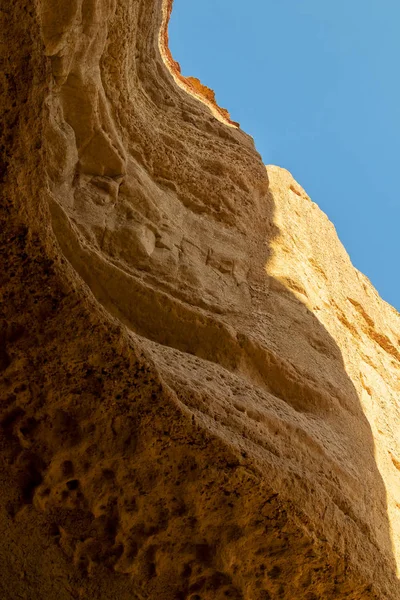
199,393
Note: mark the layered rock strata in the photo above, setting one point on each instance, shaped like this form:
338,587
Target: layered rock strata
199,393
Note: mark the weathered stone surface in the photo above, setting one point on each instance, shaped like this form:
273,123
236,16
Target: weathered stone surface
199,393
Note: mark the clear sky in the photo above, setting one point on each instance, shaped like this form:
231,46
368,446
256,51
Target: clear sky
317,84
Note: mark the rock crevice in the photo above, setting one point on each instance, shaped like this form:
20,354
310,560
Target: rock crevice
199,393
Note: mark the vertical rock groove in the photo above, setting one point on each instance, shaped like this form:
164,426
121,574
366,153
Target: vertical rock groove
199,393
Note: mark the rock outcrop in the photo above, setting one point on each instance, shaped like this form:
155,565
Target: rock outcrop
200,395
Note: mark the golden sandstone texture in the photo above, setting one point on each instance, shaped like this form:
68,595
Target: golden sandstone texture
200,395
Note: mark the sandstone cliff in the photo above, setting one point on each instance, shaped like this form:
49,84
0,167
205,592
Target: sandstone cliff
199,393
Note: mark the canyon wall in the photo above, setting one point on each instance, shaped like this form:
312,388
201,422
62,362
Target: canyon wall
200,394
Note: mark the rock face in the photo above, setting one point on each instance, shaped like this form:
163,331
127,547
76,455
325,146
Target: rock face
200,395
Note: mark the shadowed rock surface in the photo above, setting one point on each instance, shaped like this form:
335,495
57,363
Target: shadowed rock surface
200,395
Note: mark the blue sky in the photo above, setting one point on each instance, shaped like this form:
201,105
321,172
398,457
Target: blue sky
317,84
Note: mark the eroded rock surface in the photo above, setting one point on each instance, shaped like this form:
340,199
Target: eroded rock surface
199,393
